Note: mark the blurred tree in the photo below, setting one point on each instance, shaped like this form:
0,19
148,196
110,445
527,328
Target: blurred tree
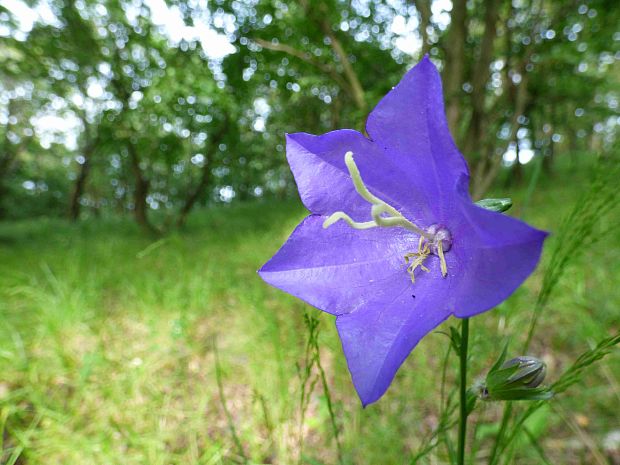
68,56
18,105
117,105
522,55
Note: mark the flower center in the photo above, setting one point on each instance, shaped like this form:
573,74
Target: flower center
440,242
435,240
442,239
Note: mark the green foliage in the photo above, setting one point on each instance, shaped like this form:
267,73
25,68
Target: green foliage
571,376
579,230
575,373
309,380
106,349
222,395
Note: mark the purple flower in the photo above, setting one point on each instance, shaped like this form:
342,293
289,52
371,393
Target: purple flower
394,244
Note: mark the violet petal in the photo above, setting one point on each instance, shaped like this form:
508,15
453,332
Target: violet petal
495,255
410,123
336,271
377,338
325,185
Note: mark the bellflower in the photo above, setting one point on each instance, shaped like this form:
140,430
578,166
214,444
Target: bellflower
394,244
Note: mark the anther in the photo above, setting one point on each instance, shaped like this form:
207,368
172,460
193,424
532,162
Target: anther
440,242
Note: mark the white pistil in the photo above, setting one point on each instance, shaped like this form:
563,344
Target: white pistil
379,207
346,218
384,215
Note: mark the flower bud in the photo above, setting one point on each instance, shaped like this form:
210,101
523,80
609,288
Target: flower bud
517,379
531,371
496,205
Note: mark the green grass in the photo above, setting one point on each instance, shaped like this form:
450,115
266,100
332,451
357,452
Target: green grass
107,349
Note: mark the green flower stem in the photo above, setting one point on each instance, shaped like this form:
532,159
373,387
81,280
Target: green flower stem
499,439
463,391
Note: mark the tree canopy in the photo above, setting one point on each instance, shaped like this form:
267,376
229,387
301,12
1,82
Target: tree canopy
152,108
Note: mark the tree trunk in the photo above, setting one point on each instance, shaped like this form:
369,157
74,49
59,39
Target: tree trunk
424,10
78,188
3,195
455,60
195,194
519,97
336,108
8,154
486,172
547,160
516,175
88,148
141,189
7,161
205,176
479,79
355,86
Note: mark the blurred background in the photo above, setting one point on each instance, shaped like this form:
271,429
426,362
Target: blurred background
143,180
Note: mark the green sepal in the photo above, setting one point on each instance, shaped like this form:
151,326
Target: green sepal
472,398
455,339
500,360
540,393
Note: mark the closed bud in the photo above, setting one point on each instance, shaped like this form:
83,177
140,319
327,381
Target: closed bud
517,379
496,205
531,371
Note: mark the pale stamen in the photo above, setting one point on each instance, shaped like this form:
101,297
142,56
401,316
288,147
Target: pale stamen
422,254
442,259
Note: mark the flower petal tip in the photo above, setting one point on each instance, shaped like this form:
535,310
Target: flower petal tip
370,399
427,64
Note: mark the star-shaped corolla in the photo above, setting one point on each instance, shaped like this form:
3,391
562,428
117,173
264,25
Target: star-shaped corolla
411,164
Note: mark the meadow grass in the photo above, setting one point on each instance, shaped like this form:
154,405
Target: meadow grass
108,343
